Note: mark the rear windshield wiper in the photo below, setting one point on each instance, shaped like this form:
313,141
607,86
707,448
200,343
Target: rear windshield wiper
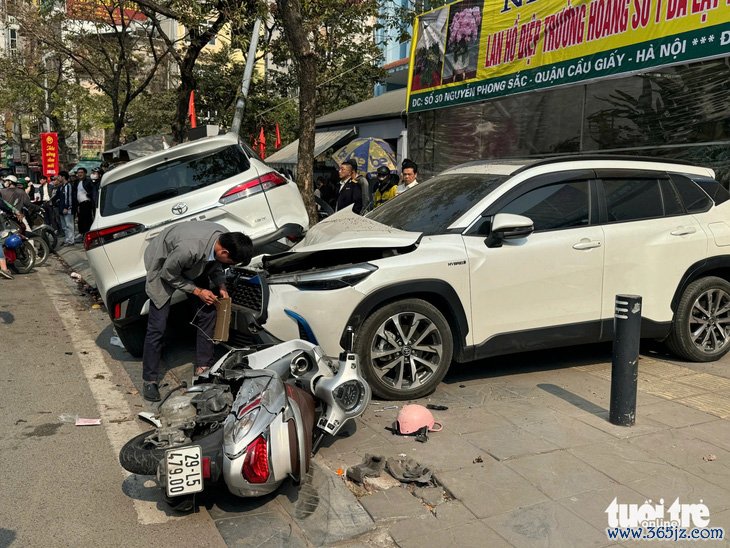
167,193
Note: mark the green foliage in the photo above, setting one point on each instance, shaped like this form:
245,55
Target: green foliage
149,114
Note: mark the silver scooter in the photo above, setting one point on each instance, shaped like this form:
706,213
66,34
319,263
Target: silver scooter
253,420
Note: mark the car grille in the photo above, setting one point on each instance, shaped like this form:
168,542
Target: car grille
246,294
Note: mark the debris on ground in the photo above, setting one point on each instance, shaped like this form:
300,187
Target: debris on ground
709,458
68,417
116,341
96,306
75,275
408,471
87,422
433,496
371,466
478,460
437,407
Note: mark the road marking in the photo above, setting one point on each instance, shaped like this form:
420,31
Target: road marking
111,403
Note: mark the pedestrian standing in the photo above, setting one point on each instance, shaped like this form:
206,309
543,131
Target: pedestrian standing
65,202
350,192
86,200
188,257
409,173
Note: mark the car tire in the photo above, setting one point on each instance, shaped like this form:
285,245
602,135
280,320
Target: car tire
395,369
699,328
132,337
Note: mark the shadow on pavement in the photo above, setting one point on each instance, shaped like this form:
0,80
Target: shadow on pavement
573,399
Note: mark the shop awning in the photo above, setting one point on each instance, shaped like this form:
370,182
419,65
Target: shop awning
323,140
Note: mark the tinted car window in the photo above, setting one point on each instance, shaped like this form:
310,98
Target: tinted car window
694,198
563,205
672,204
171,179
632,199
714,189
432,206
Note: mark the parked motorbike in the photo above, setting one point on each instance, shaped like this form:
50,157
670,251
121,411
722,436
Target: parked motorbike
253,421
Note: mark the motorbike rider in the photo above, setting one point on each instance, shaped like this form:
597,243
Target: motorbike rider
8,209
386,186
187,257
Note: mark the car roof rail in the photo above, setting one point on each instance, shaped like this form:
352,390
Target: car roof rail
582,157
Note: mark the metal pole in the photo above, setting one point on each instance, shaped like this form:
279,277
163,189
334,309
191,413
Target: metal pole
625,364
250,61
45,84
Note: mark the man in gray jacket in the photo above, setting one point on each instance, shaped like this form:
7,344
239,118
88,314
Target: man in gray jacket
188,257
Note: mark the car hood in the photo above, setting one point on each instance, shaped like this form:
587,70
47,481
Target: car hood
343,238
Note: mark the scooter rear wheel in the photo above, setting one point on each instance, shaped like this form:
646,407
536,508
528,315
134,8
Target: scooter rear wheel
24,258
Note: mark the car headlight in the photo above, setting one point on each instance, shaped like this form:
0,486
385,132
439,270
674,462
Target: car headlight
329,278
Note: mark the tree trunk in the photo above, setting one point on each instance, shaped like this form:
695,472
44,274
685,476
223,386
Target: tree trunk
306,66
187,84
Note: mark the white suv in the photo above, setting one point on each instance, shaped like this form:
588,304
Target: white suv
214,179
494,258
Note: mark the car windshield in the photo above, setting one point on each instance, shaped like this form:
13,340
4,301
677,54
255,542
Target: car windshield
431,207
173,178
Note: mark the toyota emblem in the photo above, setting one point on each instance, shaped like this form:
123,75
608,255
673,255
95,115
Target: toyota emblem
179,209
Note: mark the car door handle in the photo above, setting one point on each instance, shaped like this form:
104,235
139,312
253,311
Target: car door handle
683,231
587,244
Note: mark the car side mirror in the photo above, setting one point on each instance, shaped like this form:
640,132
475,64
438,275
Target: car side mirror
507,226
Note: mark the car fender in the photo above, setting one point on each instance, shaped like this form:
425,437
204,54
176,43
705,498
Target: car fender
447,301
712,266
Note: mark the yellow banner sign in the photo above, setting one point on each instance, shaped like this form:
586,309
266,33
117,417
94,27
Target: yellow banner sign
474,50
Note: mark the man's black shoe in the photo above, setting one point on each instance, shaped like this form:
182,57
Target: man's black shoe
150,392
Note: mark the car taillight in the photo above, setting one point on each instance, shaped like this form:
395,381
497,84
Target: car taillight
256,463
95,238
254,186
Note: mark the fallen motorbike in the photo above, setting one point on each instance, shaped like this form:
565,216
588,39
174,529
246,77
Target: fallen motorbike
254,421
18,250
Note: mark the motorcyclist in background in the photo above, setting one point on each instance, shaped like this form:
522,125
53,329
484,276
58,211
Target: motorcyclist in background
386,186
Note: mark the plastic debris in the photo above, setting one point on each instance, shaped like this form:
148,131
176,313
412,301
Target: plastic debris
68,417
150,418
75,275
96,306
87,422
340,472
436,407
116,341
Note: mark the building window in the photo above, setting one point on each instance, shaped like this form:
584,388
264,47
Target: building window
13,40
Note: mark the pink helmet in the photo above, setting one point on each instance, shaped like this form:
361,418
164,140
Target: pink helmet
413,417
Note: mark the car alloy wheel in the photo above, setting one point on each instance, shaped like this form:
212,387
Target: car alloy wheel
405,348
709,320
701,327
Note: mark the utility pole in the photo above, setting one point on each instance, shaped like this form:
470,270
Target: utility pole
45,88
250,61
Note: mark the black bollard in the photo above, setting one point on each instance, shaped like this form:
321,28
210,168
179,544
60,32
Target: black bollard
625,364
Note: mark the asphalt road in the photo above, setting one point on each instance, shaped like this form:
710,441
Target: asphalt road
61,484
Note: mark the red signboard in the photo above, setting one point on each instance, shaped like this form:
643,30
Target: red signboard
49,154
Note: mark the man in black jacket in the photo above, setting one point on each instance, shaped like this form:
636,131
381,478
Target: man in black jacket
350,190
86,193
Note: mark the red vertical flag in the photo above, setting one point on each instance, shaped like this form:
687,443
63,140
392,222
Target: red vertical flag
49,154
262,143
277,144
191,110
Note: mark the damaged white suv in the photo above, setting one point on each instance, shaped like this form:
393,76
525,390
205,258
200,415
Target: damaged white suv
494,258
216,179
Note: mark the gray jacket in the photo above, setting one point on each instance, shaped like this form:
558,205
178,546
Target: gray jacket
178,256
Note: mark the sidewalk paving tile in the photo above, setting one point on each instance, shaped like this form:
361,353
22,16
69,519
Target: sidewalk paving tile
667,389
490,489
393,504
674,414
688,488
681,448
546,524
567,433
662,369
621,461
715,404
717,432
270,530
475,533
444,452
505,442
470,419
642,427
711,383
560,474
453,512
591,505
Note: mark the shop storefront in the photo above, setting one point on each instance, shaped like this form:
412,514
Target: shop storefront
507,80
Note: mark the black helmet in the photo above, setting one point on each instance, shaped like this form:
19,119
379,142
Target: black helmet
383,171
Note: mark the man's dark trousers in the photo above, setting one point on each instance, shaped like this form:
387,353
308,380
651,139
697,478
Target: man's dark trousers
204,319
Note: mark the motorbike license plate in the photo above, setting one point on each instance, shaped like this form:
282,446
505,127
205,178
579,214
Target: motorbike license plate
184,470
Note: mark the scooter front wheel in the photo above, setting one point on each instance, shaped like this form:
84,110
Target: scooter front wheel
24,258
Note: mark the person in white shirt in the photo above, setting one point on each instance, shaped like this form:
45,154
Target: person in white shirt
409,172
